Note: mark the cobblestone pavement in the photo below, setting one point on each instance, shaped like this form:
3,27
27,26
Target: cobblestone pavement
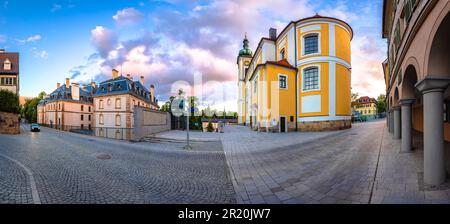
361,165
332,167
71,168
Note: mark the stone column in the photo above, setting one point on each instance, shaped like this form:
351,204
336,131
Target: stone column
432,89
387,119
397,123
391,121
406,105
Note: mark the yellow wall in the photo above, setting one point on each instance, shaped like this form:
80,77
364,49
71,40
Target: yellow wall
286,99
343,84
364,108
343,49
324,41
324,90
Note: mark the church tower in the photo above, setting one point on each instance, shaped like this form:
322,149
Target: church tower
243,61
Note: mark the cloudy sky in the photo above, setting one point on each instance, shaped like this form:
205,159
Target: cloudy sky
170,41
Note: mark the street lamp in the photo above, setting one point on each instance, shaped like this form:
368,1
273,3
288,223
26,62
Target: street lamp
182,106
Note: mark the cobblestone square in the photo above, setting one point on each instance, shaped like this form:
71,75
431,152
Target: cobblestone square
358,166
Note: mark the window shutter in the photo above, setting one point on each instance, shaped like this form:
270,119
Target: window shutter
14,81
2,81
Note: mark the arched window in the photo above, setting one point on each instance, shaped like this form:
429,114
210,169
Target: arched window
282,54
311,43
118,120
82,108
118,101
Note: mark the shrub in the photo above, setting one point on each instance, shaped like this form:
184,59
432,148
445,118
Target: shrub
9,102
210,128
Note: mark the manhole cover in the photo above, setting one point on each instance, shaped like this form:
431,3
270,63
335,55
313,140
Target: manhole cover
104,157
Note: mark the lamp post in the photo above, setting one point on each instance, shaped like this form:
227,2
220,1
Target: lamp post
188,146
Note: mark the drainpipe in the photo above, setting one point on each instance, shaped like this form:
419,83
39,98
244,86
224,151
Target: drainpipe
296,79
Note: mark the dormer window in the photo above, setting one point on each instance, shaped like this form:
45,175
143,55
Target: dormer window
7,65
282,54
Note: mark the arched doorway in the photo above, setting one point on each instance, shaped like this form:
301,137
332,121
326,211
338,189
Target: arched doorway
439,58
433,86
397,115
412,111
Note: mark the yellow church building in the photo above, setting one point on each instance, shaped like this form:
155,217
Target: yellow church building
298,80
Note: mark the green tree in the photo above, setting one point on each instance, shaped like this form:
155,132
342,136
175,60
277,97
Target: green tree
381,103
210,128
29,110
9,102
354,96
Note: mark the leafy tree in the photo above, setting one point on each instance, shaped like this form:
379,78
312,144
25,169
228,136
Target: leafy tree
381,103
9,102
354,96
210,128
29,110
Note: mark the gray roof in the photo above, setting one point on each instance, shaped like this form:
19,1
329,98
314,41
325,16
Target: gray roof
123,85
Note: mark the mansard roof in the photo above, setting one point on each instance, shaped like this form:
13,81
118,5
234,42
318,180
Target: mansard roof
124,85
65,94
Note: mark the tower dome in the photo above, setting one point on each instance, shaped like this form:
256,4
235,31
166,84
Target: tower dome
245,51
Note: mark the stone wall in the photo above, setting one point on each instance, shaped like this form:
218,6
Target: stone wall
324,125
148,122
9,123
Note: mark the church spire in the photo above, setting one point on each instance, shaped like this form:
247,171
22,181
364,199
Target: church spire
245,51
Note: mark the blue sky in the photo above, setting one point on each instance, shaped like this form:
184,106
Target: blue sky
168,41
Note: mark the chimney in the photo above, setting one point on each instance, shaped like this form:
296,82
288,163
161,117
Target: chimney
67,83
58,85
129,77
75,91
141,80
152,93
115,74
273,33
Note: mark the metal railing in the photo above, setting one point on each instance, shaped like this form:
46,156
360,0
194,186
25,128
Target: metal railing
104,132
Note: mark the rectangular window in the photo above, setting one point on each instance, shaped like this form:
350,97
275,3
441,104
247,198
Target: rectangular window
311,44
409,9
311,79
397,37
82,108
82,117
447,112
89,117
292,119
283,82
117,103
100,119
100,104
89,108
8,81
117,120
